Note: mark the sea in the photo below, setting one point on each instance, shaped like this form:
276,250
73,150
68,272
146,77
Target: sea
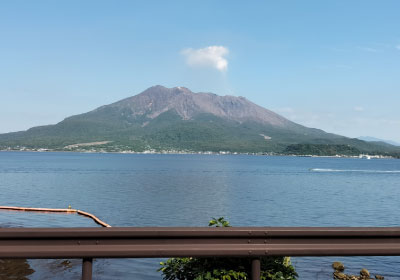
188,190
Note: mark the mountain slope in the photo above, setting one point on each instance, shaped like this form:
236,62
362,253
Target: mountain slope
177,119
374,139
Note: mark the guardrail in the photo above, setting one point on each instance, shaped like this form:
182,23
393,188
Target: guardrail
155,242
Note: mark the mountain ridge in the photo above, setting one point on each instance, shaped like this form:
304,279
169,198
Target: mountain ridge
187,104
375,139
161,118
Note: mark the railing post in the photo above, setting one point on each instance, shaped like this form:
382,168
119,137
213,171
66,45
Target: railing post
87,269
255,269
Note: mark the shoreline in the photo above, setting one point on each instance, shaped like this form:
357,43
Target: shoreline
173,152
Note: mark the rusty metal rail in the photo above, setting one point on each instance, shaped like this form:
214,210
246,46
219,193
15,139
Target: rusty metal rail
152,242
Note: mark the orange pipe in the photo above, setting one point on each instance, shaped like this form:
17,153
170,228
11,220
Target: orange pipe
93,217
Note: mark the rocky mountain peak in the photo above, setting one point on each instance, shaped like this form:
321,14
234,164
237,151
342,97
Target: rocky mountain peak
182,89
159,99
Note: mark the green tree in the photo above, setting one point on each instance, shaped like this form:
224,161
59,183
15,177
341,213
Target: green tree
272,268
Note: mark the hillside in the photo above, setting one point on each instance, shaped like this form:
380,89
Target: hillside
374,139
177,119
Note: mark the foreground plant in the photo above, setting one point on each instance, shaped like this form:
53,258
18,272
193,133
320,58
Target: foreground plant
272,268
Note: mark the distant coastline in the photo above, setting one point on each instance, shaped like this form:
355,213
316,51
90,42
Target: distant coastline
183,152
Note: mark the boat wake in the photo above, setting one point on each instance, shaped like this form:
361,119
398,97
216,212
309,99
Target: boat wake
353,170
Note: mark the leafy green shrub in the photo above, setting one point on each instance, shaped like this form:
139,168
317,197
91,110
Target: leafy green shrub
272,268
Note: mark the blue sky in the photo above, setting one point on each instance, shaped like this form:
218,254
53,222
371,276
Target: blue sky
333,65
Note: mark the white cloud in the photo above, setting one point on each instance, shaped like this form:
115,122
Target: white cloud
358,109
212,56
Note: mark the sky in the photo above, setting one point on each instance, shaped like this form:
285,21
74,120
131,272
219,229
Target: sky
333,65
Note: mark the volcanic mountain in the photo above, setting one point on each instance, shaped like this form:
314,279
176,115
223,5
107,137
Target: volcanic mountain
163,118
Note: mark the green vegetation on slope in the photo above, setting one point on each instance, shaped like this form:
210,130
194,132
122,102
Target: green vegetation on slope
205,132
321,150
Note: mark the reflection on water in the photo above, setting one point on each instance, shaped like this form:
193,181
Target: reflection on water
187,190
15,269
56,269
39,269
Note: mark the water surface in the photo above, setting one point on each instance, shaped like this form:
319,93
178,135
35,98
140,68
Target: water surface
187,190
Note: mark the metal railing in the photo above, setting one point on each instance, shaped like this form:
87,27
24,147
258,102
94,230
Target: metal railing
155,242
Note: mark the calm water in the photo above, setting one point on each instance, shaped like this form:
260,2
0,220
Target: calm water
187,190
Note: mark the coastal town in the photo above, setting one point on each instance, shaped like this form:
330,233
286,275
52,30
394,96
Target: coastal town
79,148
